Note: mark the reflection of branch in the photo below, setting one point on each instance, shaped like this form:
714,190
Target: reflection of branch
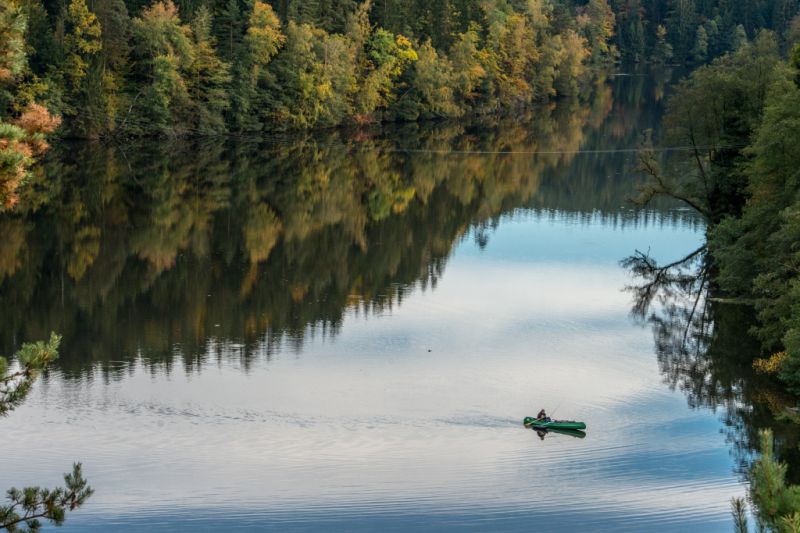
694,306
657,278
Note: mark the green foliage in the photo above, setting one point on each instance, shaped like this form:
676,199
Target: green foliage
13,60
167,54
739,513
757,251
662,52
740,122
597,25
81,42
468,69
30,504
778,505
208,79
31,359
712,116
700,50
226,65
431,88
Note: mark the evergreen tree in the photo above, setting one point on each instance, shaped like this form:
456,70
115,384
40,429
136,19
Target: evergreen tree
82,43
106,76
263,40
598,23
682,27
662,52
700,50
778,505
164,50
28,505
208,78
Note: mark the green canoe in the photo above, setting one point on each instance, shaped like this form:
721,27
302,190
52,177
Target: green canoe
552,424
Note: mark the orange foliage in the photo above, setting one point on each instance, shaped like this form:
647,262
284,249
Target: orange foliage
162,10
36,121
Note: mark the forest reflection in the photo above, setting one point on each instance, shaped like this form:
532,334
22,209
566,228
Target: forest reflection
705,351
165,252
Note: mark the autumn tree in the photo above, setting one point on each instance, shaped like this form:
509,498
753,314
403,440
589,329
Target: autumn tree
82,43
165,52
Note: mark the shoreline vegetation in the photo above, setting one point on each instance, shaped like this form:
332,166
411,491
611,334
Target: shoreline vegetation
741,116
123,69
101,69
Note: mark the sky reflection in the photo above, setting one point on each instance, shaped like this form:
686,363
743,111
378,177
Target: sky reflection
409,418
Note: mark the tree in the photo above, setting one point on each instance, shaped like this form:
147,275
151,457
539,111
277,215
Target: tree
430,92
597,22
21,141
263,40
386,58
570,67
208,78
778,505
662,52
714,113
29,504
164,50
468,69
682,26
700,50
757,251
739,38
631,30
13,60
510,58
31,359
82,43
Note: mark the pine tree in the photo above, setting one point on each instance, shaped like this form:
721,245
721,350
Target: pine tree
662,52
82,42
208,78
598,24
700,50
262,42
13,60
164,51
778,505
30,504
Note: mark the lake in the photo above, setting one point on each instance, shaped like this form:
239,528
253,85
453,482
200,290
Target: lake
344,330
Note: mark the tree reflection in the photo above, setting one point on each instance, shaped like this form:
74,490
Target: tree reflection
704,350
172,254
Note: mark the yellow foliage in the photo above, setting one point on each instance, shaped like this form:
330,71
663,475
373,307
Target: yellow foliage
771,364
264,34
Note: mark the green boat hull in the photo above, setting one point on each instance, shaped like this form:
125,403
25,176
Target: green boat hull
553,424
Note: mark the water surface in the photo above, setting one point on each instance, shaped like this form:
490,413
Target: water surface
344,331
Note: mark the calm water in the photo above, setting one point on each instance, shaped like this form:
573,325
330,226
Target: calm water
345,331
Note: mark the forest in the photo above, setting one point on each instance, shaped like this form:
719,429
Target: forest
739,120
111,69
118,70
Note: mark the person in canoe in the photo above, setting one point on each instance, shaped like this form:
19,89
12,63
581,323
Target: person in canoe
541,417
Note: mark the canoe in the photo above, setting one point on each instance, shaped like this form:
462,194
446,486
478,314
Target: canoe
553,424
